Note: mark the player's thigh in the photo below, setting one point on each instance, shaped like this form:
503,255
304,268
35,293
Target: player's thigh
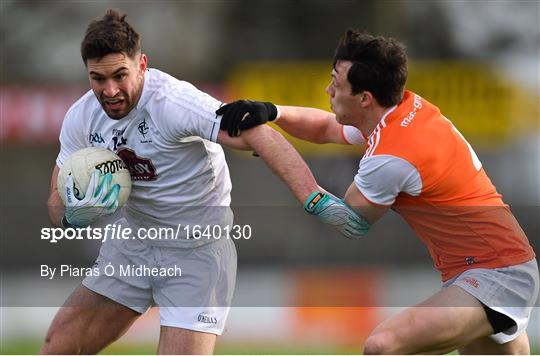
178,341
442,323
86,323
486,346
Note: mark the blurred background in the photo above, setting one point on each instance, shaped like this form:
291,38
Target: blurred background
477,60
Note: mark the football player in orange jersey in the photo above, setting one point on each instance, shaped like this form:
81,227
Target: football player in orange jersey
417,163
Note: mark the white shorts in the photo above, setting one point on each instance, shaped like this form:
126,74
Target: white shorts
192,286
511,291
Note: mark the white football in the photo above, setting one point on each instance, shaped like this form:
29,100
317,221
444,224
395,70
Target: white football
82,163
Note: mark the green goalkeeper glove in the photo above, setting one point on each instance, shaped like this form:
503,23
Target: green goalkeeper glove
334,212
100,199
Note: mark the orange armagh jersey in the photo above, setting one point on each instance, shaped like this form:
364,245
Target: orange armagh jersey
458,213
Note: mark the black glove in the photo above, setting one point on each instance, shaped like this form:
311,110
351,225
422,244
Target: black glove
245,114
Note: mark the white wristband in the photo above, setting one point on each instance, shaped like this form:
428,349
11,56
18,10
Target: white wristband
278,114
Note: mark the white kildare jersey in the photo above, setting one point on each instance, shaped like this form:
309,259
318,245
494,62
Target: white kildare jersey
179,173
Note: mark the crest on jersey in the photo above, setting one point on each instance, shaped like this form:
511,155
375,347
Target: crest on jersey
139,168
143,130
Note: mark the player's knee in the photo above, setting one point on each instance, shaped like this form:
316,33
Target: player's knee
381,343
53,345
519,346
56,342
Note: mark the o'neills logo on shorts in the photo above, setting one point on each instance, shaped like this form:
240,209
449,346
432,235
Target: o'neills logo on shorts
207,319
472,281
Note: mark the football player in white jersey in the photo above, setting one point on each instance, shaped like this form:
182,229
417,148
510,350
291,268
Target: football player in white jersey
168,134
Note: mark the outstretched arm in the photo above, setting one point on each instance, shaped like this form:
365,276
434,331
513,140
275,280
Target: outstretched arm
279,155
308,124
283,159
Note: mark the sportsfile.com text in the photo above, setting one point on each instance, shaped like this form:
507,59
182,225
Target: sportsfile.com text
118,232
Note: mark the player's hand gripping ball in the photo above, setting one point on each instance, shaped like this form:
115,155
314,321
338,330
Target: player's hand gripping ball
92,182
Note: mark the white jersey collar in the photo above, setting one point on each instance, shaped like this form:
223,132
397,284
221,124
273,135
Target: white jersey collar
388,112
381,124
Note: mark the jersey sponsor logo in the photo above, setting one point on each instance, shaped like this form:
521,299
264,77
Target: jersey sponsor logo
143,130
118,139
417,105
95,137
203,318
139,168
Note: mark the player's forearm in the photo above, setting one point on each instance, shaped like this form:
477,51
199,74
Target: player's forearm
308,124
55,209
55,206
283,159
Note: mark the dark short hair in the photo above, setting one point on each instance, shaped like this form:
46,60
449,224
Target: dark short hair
110,34
379,65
